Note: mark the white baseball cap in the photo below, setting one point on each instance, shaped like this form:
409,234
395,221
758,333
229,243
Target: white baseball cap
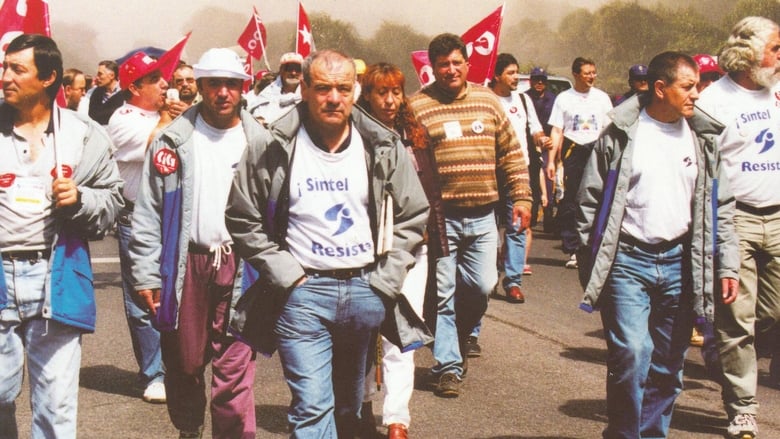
220,63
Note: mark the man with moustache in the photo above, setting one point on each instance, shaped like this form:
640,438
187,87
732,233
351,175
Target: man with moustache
578,116
305,211
648,272
132,128
183,265
744,101
281,95
471,137
184,81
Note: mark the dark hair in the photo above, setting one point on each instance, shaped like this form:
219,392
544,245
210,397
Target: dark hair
444,44
664,67
386,74
576,66
329,57
503,60
46,55
110,65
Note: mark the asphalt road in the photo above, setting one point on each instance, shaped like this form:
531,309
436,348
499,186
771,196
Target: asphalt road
541,374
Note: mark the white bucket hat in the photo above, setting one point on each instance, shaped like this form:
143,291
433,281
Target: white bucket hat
220,63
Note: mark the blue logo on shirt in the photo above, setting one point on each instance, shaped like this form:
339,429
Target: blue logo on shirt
767,138
341,214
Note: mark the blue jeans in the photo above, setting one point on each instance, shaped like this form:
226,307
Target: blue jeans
53,357
514,258
144,337
647,314
464,281
325,330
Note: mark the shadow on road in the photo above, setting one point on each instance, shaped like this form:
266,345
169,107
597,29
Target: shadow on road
271,418
697,420
110,379
106,280
591,355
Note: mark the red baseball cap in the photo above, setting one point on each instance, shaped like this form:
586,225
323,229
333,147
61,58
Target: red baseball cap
707,64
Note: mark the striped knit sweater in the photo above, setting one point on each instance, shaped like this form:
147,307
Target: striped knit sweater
472,139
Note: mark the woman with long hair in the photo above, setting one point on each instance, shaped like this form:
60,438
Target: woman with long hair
383,97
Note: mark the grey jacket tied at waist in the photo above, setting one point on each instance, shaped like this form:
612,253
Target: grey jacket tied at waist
714,246
257,214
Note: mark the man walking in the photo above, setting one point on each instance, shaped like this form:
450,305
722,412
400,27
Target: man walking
183,266
132,128
472,137
59,188
305,210
650,273
578,116
743,100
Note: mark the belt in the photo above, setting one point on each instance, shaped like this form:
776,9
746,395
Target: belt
760,211
470,212
659,247
27,255
340,274
197,249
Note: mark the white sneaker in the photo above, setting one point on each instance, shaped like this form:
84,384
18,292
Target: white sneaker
743,426
572,262
155,393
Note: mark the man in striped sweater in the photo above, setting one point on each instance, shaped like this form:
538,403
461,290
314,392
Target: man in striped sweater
472,140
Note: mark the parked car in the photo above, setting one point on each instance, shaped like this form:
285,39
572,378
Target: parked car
555,84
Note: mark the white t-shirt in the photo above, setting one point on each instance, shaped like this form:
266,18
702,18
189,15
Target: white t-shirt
129,129
581,116
660,192
514,110
329,227
216,154
25,186
750,143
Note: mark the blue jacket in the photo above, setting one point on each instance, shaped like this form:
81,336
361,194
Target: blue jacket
70,295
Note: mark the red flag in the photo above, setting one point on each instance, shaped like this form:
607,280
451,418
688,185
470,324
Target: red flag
482,45
22,17
170,60
423,67
304,43
254,39
248,71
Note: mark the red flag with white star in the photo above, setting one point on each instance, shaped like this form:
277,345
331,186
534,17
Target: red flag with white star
304,43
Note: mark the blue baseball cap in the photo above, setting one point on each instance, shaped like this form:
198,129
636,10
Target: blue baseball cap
538,72
637,71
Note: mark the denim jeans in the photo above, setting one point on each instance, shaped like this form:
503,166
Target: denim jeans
53,357
514,258
464,281
144,337
324,331
647,314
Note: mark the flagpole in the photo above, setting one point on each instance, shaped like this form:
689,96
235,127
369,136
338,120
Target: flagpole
262,45
55,113
297,27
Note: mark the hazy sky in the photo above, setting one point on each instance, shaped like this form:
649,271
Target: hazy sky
112,28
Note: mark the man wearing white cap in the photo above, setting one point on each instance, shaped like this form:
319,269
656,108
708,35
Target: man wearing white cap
184,269
131,128
281,95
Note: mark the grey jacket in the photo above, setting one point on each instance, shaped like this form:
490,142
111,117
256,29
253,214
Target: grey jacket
257,214
714,246
162,218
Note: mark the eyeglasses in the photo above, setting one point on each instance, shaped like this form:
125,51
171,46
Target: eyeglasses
291,67
538,80
589,74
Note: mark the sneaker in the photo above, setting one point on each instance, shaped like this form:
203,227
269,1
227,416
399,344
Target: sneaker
527,270
155,393
449,386
743,426
195,434
572,262
473,349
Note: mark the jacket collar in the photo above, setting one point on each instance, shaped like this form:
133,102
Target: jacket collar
180,130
